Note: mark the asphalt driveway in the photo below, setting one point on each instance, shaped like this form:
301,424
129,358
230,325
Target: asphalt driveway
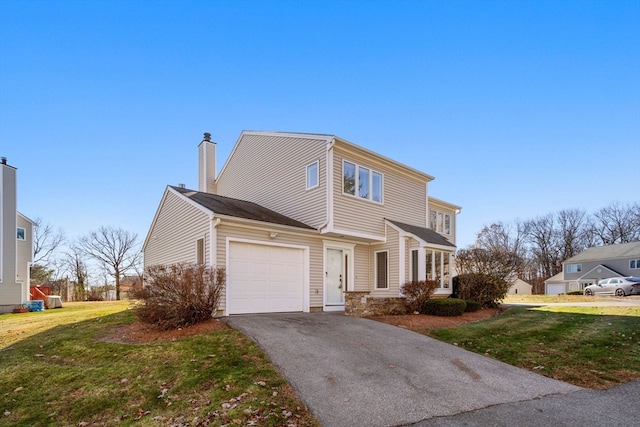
352,371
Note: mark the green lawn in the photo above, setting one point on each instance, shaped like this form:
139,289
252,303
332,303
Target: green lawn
56,372
594,347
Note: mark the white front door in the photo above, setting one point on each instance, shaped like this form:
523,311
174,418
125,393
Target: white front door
335,278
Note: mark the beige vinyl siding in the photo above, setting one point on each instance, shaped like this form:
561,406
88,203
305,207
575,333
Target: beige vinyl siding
8,292
228,229
393,249
24,250
271,171
362,280
445,209
404,198
177,228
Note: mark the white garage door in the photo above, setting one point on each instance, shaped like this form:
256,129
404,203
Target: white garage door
555,289
264,279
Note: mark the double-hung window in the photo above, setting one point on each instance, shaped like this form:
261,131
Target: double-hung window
21,233
440,222
362,182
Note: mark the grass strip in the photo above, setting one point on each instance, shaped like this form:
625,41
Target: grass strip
593,347
65,375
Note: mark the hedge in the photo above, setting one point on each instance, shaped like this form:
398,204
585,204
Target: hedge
445,307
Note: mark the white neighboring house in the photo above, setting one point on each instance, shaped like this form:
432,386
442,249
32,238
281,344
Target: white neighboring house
593,265
16,251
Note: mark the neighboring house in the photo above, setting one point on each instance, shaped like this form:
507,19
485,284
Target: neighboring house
595,264
520,287
128,285
16,251
298,220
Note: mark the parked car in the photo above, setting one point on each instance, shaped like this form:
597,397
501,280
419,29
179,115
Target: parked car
619,286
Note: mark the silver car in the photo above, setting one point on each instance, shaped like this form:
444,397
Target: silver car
619,286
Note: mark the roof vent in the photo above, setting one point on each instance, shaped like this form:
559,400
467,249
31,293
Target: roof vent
181,185
207,137
3,160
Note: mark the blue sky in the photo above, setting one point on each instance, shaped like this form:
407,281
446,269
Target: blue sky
518,108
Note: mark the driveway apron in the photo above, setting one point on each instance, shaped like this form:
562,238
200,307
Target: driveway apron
352,371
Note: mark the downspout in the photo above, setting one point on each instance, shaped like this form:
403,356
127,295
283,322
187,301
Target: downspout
329,177
213,240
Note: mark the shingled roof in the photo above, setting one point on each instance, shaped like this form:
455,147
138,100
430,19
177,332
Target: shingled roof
238,208
426,234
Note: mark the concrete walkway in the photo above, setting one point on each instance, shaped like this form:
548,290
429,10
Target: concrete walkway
358,372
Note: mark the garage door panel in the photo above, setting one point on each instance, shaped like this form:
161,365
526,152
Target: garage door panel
263,278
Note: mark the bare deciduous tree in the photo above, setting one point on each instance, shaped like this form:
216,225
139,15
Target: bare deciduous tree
77,267
501,239
45,241
116,249
617,223
572,229
545,244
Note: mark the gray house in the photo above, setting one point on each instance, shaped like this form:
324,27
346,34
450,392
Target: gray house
593,265
16,250
306,222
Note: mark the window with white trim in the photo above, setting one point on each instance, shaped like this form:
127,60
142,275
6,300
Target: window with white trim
362,182
440,221
573,268
200,251
382,269
439,267
414,265
21,233
634,264
313,178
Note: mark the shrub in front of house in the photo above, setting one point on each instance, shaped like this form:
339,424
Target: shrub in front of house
444,307
472,306
417,292
179,295
575,293
488,290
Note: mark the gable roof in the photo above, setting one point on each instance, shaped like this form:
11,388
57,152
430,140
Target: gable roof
238,208
597,273
331,140
423,233
558,278
598,253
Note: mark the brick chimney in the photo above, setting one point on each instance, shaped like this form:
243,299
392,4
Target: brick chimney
207,165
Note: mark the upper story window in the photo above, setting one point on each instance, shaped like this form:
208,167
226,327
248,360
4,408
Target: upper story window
440,222
312,175
634,264
573,268
361,182
21,233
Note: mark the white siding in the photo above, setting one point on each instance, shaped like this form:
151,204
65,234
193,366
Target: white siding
271,171
173,237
